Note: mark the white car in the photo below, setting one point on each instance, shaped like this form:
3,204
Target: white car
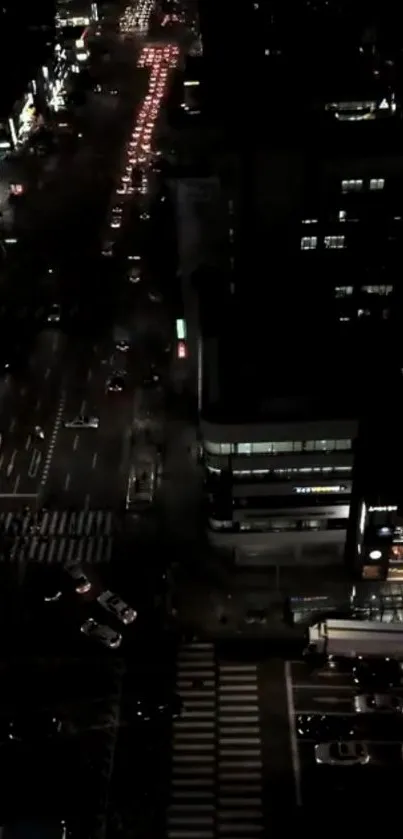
343,753
82,422
122,346
377,703
107,249
104,634
117,607
81,582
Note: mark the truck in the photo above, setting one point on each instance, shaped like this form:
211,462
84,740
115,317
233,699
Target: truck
355,639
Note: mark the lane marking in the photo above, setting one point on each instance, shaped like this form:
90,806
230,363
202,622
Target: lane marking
87,501
94,460
76,442
16,485
67,481
12,425
47,372
38,404
293,735
52,444
28,442
83,407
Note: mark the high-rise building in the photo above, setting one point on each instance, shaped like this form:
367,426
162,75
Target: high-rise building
26,42
308,324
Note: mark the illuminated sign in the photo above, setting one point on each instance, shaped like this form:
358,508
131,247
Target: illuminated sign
363,516
182,351
318,490
181,330
387,509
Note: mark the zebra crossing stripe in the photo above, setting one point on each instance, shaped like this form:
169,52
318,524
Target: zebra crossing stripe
61,536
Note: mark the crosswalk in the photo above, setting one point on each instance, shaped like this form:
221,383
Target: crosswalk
216,771
59,536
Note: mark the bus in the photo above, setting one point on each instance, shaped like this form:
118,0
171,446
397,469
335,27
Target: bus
141,486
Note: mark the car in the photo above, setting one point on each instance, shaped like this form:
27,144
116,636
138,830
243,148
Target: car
134,257
103,634
319,727
122,346
80,580
47,583
115,384
342,753
377,673
377,703
115,222
117,607
54,313
135,275
82,422
155,297
107,249
34,727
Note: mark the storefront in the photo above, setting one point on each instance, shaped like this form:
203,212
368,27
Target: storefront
379,544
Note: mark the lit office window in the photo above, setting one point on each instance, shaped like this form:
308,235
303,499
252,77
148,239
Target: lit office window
377,183
327,445
352,185
380,290
343,290
335,242
309,243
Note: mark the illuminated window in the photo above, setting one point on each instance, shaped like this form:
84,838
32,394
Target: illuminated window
352,185
309,243
335,242
327,445
377,183
343,290
380,290
217,448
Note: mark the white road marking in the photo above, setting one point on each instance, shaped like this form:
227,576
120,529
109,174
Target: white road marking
293,736
28,442
1,460
16,485
38,404
12,425
52,444
83,408
76,442
35,463
94,460
87,501
47,372
67,481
